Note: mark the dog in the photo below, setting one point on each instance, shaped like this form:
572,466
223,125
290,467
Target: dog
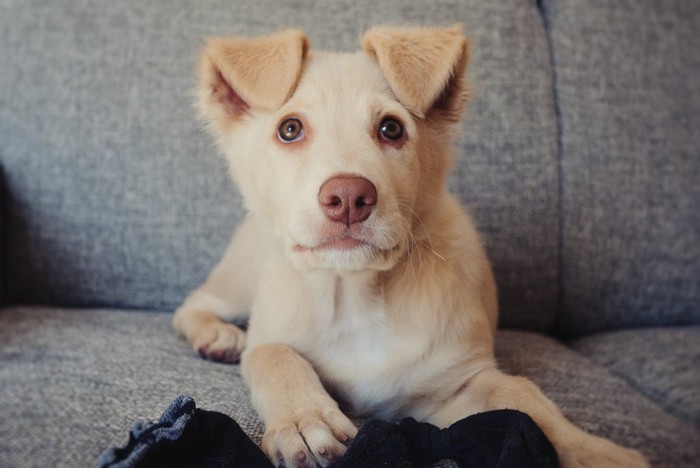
365,279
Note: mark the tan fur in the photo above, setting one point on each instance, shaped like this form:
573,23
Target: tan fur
419,63
262,71
400,325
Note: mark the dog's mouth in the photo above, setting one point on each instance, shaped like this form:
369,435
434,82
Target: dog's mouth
335,243
345,248
347,252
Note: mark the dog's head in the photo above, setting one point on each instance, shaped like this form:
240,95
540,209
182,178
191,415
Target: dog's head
345,155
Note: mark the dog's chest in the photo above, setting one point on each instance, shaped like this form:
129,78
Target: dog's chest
359,349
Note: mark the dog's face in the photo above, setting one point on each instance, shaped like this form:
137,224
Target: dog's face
335,167
334,150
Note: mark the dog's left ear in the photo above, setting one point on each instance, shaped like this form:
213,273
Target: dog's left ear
425,67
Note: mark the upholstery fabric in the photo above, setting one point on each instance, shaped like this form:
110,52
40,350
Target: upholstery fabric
2,232
74,381
116,196
598,401
630,159
661,363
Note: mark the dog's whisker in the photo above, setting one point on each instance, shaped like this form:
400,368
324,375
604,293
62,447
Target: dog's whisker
414,242
429,244
409,240
410,237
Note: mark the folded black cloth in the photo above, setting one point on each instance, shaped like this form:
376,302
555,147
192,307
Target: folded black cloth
187,436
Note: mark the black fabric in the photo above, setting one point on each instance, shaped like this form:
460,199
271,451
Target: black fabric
187,436
502,438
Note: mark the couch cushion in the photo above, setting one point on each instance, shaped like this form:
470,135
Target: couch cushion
74,381
629,101
116,197
661,363
598,401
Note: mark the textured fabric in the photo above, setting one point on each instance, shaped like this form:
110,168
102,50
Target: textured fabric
598,401
190,437
629,98
498,439
187,437
73,381
117,199
661,363
2,233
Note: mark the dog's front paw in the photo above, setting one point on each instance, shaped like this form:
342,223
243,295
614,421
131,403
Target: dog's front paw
219,341
591,451
310,437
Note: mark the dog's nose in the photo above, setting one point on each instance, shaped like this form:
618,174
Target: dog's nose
347,199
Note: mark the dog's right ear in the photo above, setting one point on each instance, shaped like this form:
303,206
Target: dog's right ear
237,74
425,67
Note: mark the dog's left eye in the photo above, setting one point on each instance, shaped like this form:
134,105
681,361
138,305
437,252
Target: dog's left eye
391,130
290,130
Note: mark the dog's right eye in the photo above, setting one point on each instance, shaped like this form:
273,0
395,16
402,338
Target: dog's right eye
290,130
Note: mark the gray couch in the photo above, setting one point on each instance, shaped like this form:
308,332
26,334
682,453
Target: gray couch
580,162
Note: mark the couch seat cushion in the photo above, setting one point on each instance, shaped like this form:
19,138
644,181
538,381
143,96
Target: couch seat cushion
661,363
74,381
597,400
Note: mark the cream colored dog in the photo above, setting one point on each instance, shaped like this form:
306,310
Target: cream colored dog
365,279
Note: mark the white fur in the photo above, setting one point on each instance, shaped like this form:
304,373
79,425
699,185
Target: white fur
401,325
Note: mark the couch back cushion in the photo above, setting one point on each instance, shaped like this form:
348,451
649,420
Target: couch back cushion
116,197
628,81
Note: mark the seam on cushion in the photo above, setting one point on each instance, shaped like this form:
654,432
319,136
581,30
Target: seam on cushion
543,6
3,228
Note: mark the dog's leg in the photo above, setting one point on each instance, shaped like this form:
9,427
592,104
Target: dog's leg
304,425
491,389
226,295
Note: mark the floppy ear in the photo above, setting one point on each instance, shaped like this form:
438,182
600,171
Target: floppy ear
424,67
236,74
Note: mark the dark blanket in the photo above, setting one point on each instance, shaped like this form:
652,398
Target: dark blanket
187,436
